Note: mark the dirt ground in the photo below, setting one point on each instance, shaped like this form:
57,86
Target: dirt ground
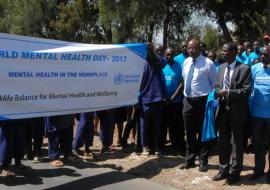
165,169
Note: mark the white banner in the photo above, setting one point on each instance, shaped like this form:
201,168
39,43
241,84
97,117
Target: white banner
40,77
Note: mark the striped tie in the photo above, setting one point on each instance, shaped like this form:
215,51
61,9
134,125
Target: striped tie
227,79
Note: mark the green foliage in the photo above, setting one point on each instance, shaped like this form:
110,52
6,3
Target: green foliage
21,17
120,21
77,21
247,15
211,38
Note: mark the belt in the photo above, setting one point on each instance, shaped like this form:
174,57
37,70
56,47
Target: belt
194,99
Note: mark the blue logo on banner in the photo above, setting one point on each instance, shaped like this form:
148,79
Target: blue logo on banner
118,78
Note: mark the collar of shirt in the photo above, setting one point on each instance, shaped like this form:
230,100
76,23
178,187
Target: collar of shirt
197,58
232,65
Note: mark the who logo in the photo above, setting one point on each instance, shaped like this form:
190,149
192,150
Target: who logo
118,78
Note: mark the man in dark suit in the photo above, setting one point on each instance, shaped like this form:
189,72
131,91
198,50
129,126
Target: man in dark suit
232,113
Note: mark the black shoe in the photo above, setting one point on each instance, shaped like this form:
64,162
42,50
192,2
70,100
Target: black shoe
220,176
232,179
203,167
187,166
268,179
77,152
256,176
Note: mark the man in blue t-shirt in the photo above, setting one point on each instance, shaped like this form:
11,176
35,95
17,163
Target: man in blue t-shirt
255,54
182,56
240,57
260,111
172,117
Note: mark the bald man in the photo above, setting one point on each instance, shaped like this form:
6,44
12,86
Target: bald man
200,76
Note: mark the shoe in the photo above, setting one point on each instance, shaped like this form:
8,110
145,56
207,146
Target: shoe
158,153
22,167
256,176
57,163
203,167
88,155
145,152
77,152
119,143
187,166
72,158
268,179
232,179
28,156
220,176
107,151
36,160
7,173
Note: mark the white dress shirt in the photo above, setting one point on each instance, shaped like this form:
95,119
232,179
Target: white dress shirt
204,77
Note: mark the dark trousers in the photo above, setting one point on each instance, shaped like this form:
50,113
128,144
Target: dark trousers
150,124
84,131
172,119
193,116
261,134
231,139
12,142
34,130
3,145
106,127
133,122
60,141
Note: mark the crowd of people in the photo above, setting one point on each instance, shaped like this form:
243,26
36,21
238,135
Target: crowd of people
172,102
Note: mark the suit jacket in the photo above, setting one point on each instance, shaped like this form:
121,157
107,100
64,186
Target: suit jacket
240,88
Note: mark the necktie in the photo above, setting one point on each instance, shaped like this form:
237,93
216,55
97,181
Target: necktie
227,79
189,78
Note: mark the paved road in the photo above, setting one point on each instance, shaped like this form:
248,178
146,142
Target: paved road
82,176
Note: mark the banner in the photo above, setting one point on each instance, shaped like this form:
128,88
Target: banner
41,77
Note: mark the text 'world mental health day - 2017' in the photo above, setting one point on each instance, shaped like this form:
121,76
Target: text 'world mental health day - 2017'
42,77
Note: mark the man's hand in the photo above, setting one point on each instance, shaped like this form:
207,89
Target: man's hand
222,93
152,57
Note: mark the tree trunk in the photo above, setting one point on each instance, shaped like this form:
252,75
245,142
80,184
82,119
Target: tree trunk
268,17
221,22
166,24
108,34
151,32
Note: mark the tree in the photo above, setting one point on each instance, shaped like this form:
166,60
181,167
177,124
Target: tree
247,15
77,21
21,17
211,37
117,19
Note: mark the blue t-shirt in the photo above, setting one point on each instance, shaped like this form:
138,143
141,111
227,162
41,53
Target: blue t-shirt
242,59
180,58
172,76
260,98
244,54
252,56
